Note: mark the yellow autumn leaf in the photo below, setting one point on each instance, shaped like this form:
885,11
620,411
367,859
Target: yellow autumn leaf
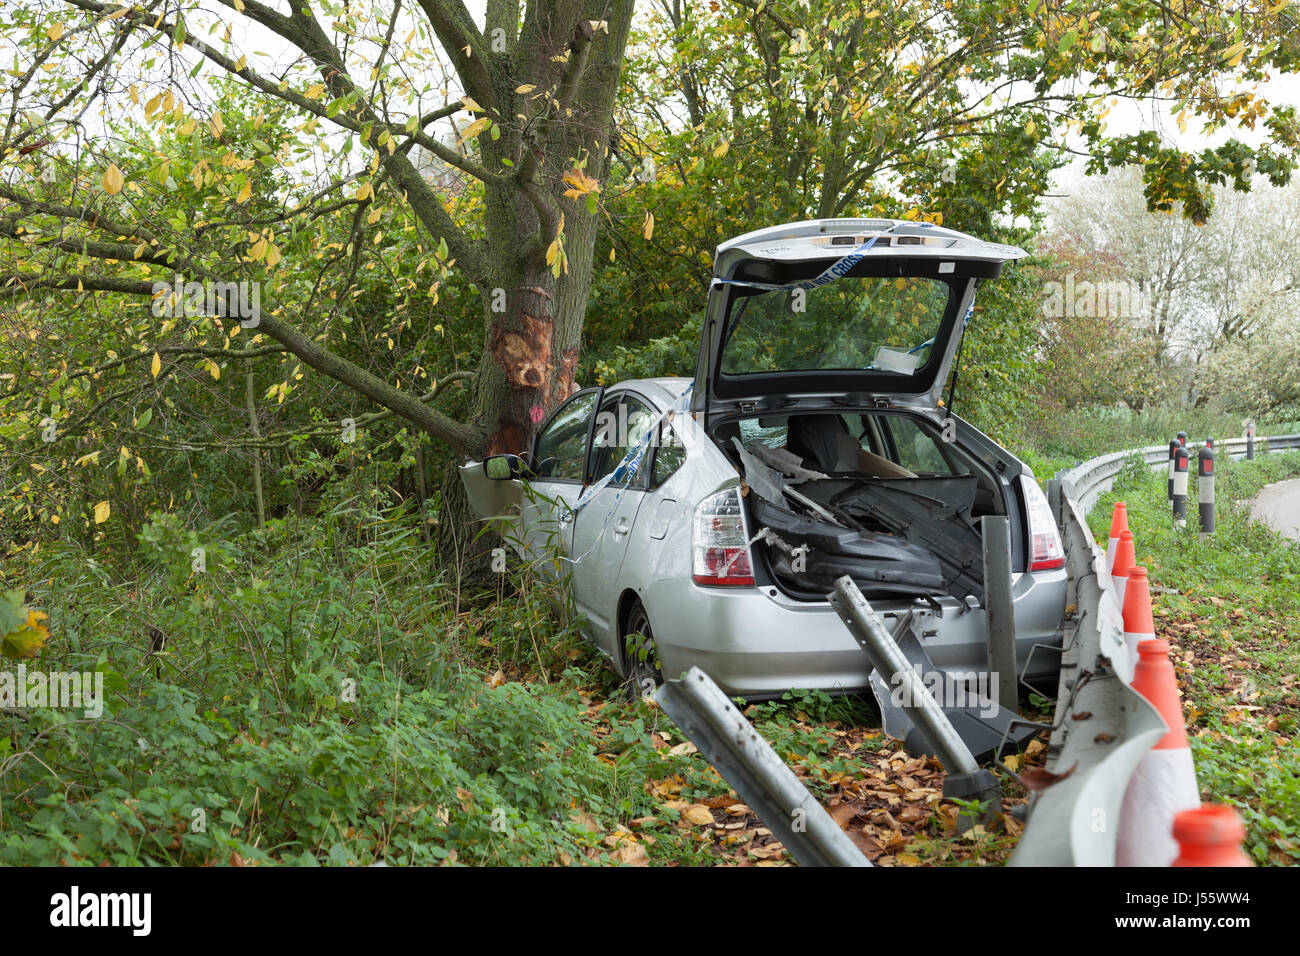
648,227
101,512
213,368
526,88
697,815
156,365
55,32
365,192
113,180
579,184
245,194
28,639
272,255
476,127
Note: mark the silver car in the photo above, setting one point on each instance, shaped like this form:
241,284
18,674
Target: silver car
711,515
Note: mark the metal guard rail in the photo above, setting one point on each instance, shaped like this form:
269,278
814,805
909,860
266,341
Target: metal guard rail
1086,481
1102,727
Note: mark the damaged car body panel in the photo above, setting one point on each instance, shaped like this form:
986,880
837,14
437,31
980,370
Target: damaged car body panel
810,445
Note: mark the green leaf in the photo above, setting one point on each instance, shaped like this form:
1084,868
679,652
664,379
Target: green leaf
12,614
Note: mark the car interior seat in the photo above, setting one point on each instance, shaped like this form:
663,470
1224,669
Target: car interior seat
823,442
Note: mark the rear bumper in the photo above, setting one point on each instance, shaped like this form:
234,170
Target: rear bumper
756,642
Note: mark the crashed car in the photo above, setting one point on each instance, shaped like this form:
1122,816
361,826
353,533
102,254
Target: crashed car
712,515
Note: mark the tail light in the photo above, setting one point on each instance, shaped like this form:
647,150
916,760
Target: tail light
1045,550
719,546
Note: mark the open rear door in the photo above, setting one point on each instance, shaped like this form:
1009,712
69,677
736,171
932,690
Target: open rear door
872,308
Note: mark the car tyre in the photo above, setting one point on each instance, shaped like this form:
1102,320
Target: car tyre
641,669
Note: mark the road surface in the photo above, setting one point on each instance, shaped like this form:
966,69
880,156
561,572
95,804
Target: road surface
1278,506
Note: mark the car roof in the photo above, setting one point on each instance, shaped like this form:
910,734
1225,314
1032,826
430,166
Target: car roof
663,390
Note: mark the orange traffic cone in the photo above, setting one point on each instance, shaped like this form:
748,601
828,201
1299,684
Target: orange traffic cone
1139,625
1118,525
1164,782
1210,836
1125,559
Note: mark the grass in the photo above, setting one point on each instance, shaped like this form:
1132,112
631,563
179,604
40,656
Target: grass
318,695
1064,438
1230,607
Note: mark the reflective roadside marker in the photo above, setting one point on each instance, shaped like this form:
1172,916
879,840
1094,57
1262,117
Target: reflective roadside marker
1174,445
1205,486
1180,486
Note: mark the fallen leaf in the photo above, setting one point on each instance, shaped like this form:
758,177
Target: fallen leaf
697,815
1037,778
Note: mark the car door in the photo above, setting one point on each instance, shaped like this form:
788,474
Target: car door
604,523
559,471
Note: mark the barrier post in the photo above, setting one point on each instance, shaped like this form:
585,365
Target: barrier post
1180,486
1173,453
1205,487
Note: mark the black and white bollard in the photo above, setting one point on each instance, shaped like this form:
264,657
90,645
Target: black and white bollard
1250,441
1205,486
1174,445
1180,487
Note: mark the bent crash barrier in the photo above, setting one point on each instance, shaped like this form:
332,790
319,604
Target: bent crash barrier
1122,786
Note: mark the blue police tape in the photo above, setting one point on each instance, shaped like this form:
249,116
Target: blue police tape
627,469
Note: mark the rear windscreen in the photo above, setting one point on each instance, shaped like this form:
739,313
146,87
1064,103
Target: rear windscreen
883,324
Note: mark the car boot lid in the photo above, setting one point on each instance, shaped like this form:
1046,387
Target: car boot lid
799,259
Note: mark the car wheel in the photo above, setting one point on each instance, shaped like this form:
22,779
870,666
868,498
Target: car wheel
640,655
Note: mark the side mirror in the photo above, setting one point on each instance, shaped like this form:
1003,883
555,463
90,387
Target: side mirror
503,467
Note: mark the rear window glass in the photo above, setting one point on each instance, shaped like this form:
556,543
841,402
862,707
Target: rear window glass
917,451
878,324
